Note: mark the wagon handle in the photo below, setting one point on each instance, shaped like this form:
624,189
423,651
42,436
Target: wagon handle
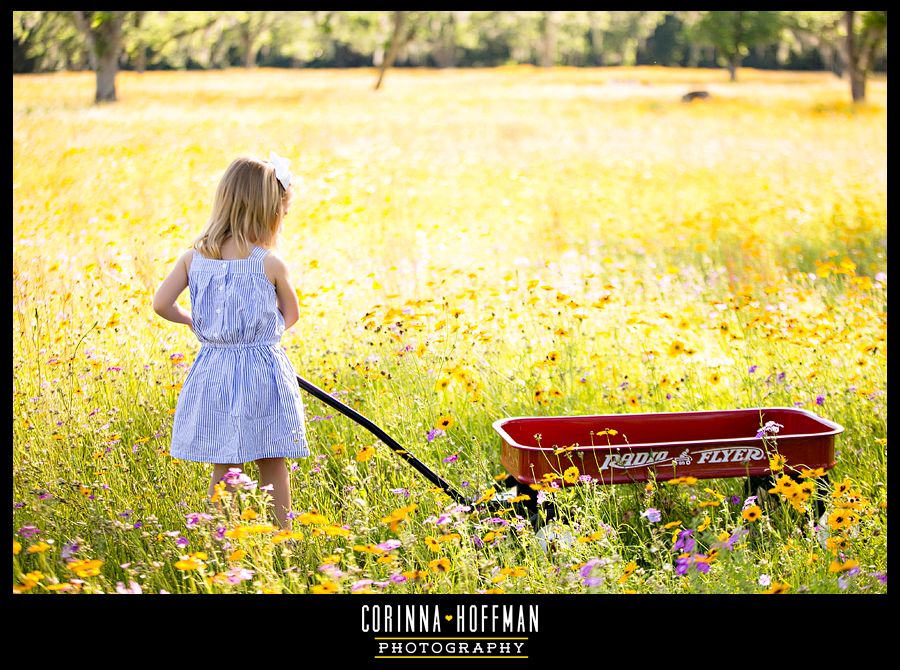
351,413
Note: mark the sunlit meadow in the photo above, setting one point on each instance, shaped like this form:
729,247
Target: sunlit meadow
467,245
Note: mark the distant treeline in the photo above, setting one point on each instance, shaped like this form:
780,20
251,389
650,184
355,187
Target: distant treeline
53,40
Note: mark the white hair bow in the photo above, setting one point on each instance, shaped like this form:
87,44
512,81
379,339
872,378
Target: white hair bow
282,169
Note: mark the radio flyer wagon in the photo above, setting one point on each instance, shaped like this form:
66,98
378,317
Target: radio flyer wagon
625,448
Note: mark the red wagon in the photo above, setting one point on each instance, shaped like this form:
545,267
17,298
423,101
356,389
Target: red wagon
620,448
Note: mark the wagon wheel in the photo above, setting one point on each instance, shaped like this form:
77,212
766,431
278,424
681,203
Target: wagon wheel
530,508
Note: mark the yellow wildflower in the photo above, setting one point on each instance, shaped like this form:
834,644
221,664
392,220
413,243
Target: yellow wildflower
752,513
327,586
843,567
365,454
85,567
776,463
439,565
626,573
778,587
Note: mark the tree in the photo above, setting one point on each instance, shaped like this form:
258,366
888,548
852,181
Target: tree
154,36
860,48
47,41
733,34
619,35
820,32
103,34
404,28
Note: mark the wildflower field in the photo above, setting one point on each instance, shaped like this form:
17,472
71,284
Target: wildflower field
467,245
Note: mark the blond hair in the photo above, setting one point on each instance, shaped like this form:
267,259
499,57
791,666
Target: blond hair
248,207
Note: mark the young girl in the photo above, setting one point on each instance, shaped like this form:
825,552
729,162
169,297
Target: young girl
240,401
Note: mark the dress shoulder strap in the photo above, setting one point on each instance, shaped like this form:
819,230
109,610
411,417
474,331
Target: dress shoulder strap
258,252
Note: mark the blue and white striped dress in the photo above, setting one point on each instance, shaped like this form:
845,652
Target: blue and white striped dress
240,400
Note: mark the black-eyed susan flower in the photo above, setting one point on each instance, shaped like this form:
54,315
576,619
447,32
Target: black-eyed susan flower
331,531
38,548
517,571
752,513
308,518
487,495
365,453
17,547
784,485
836,543
193,561
414,574
776,462
285,535
627,572
778,587
842,518
29,581
676,348
570,475
325,587
439,565
86,567
432,543
397,516
840,488
837,566
444,422
808,474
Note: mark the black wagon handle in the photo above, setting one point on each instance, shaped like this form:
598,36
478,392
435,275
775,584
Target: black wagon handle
351,413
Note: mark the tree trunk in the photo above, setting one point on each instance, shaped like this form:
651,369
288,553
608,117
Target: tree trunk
249,51
107,67
141,61
445,51
733,63
547,49
394,49
858,85
104,42
596,41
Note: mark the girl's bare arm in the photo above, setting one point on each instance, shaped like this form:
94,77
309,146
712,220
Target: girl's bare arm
168,292
286,297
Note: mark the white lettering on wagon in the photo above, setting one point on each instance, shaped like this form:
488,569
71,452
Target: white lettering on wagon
730,455
634,460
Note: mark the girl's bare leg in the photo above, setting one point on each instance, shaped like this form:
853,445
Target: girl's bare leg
219,471
274,471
